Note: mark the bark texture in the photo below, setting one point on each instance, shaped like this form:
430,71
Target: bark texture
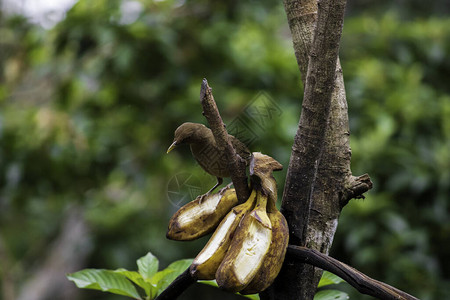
319,180
236,165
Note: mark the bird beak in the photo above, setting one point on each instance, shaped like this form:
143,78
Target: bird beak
174,144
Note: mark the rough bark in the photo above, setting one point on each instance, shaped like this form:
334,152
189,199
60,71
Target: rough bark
302,17
319,180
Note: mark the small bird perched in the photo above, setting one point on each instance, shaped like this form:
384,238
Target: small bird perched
205,150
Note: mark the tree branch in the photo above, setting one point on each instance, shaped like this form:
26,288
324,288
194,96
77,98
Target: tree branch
236,165
302,17
363,283
309,140
303,191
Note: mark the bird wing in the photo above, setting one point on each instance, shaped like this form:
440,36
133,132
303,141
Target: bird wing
241,148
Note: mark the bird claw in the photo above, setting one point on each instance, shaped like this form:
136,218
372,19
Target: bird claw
223,190
201,198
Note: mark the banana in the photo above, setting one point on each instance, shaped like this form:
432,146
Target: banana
208,260
197,219
273,261
250,245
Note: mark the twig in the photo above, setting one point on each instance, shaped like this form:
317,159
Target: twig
363,283
236,165
178,286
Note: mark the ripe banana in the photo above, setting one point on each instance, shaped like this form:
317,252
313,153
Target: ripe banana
273,261
197,219
250,245
208,260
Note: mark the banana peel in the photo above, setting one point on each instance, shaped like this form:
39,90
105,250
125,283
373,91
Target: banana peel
196,219
209,259
274,259
248,249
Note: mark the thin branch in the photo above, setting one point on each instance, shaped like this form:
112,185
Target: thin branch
363,283
236,165
178,286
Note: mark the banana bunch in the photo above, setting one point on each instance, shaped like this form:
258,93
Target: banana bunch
247,249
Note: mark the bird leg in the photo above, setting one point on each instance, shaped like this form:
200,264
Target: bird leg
219,182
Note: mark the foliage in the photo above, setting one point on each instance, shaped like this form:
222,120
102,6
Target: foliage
88,109
152,282
120,281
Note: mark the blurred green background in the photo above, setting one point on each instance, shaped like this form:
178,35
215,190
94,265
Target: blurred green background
88,107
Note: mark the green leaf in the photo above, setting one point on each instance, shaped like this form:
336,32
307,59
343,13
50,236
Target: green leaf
330,295
137,279
253,296
180,265
104,280
329,278
209,282
163,278
160,281
148,265
175,268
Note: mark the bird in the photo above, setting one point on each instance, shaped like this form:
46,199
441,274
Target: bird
206,152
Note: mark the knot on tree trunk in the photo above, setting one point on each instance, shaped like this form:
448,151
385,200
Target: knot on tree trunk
355,188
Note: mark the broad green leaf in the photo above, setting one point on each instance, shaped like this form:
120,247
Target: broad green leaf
159,281
180,265
330,295
104,280
329,278
159,276
137,279
147,265
163,278
175,268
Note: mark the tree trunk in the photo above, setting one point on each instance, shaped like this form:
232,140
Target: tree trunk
319,180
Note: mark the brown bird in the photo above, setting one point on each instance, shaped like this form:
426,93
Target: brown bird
206,152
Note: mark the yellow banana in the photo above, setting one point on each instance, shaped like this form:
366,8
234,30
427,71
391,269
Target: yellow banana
273,261
250,244
197,219
208,260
